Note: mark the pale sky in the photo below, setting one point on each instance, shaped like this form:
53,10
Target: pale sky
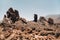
27,8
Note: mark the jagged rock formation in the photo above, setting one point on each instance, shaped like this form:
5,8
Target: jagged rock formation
13,15
50,21
35,17
20,29
42,19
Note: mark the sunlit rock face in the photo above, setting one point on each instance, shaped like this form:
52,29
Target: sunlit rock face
20,29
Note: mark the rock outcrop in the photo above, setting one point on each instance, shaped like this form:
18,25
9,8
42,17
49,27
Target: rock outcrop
13,27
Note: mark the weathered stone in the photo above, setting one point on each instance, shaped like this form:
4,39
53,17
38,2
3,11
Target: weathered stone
35,17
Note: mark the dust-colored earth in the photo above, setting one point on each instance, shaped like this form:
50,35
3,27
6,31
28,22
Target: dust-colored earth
28,30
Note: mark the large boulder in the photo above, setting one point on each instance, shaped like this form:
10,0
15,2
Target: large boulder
13,15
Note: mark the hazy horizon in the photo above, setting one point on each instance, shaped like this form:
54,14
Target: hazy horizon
27,8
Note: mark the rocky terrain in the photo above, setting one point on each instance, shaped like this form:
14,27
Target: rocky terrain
56,17
13,27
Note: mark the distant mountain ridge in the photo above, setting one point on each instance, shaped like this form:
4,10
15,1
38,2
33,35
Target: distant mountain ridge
56,17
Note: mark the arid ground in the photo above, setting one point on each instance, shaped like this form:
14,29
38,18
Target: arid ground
14,27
